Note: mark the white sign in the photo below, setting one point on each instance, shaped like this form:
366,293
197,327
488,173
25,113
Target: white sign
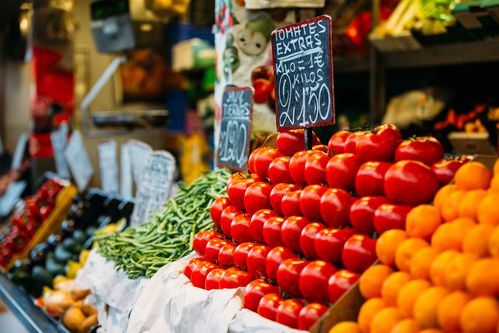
11,196
58,139
126,184
108,166
139,154
78,161
19,152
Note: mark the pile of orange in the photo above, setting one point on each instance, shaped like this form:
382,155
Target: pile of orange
442,273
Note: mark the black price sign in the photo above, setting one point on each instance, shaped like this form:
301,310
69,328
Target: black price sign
235,130
303,66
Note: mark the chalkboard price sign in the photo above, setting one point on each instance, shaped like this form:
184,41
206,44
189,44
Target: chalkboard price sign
235,129
303,66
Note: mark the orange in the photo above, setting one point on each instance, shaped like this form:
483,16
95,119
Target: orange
496,167
493,243
406,250
385,320
372,279
470,202
460,228
408,295
441,239
367,312
451,204
456,271
426,306
430,330
488,210
421,261
392,286
480,315
473,176
449,236
346,327
483,277
475,241
422,221
439,265
406,326
494,184
450,309
442,194
387,245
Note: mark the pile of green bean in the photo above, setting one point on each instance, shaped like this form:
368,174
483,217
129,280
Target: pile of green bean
143,249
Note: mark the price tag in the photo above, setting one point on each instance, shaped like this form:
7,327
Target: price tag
78,161
303,66
155,186
139,152
235,128
126,184
58,139
11,197
17,159
108,166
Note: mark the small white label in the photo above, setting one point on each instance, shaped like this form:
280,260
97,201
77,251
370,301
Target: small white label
126,183
108,166
19,152
139,154
11,196
58,139
78,161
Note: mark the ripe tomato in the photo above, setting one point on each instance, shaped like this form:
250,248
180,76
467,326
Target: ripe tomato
241,253
370,178
201,238
336,144
362,213
292,141
213,279
254,292
234,278
390,216
313,280
410,183
257,197
191,265
274,258
255,261
322,148
291,231
279,170
315,168
227,217
272,231
379,145
310,200
263,160
307,239
339,283
290,204
257,221
335,207
213,248
236,190
226,255
278,192
288,275
446,169
329,243
425,149
341,171
252,157
352,141
217,207
359,253
309,314
267,308
287,313
297,165
239,228
199,273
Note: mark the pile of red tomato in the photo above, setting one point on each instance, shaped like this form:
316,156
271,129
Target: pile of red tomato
298,230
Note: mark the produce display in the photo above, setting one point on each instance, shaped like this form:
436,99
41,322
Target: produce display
141,250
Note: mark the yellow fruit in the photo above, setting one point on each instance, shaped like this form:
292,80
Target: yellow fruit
483,278
442,194
406,250
475,241
408,295
488,210
473,176
451,204
372,280
346,327
406,326
470,202
422,221
456,271
426,307
450,309
439,265
385,320
392,285
387,244
480,315
367,311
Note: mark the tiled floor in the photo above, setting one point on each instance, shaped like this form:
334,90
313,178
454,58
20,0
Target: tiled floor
9,323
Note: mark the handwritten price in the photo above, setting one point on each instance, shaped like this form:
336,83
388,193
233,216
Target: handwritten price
233,147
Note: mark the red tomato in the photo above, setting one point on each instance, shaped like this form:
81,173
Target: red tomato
279,170
310,200
254,292
252,157
335,207
217,207
322,148
234,278
201,238
272,231
236,190
287,313
213,248
337,142
257,197
239,228
297,165
263,160
370,178
379,145
362,213
257,221
278,192
329,243
446,169
410,183
267,308
213,279
307,239
199,273
291,231
255,261
226,255
341,171
315,168
292,141
359,253
288,275
313,280
227,217
339,283
262,88
191,265
352,140
274,258
425,149
290,204
389,216
309,314
241,254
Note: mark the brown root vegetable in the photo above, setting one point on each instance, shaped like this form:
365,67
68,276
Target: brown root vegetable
73,319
